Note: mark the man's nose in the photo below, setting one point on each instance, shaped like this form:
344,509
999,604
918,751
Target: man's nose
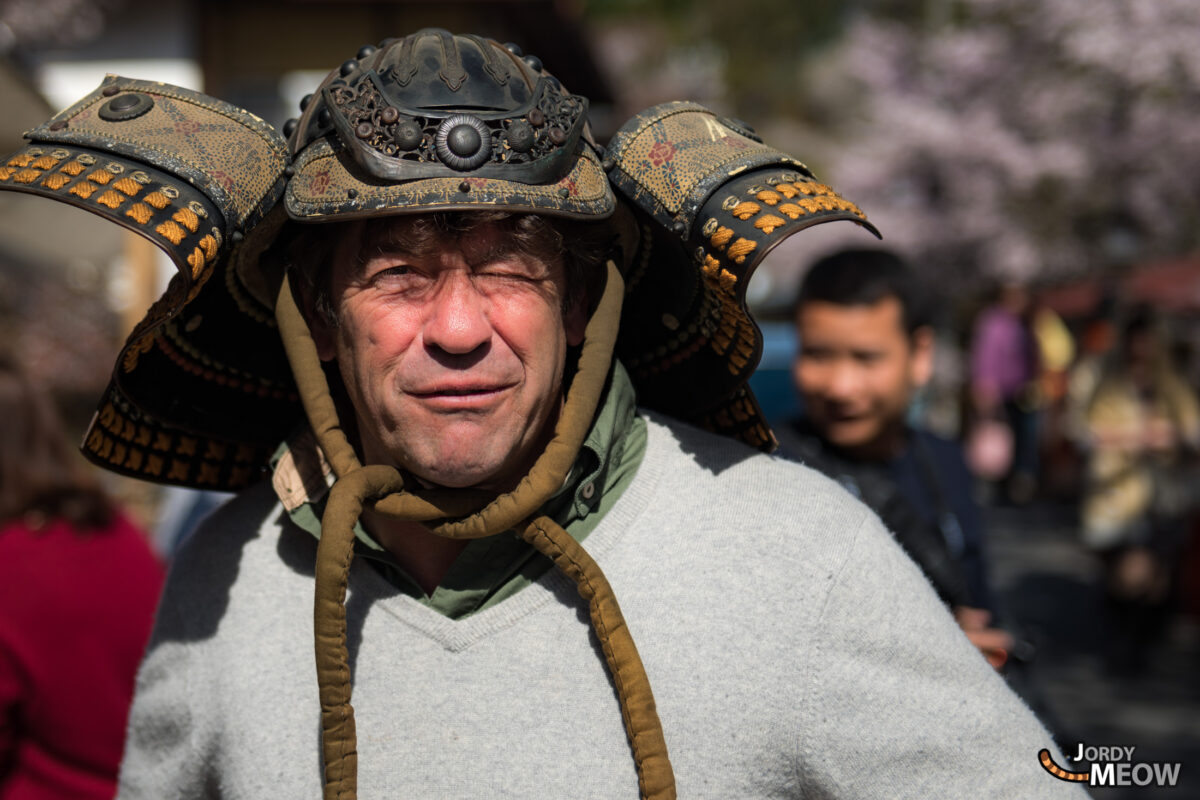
843,382
458,321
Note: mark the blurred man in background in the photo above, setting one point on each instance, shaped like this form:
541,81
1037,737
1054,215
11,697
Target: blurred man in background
866,347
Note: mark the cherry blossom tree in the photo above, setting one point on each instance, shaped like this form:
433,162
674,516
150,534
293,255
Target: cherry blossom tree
1021,138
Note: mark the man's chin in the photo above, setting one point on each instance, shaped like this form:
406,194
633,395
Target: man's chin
850,437
462,469
439,477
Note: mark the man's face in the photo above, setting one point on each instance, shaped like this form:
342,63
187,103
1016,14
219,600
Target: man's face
453,358
856,371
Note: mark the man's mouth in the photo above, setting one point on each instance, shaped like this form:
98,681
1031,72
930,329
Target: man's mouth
459,391
455,392
451,397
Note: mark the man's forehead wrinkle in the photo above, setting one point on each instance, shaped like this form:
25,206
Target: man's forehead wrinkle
397,239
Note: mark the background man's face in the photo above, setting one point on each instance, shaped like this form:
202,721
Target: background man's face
453,359
857,369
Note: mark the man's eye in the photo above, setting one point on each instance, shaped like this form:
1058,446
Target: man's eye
394,273
501,275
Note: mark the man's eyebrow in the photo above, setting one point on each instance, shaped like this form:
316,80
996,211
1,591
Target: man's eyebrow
497,252
530,264
380,246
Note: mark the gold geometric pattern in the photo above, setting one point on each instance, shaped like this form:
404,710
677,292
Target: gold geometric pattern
56,181
109,187
187,218
171,232
158,200
111,199
140,212
128,185
145,449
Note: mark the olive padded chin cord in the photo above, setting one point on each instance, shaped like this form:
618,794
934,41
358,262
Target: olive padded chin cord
384,485
310,381
656,780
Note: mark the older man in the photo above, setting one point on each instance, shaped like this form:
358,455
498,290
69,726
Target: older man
467,434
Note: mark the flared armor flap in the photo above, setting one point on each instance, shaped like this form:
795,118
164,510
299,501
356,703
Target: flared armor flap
181,168
713,200
195,176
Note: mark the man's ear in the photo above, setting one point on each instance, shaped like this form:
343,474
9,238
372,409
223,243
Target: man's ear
921,361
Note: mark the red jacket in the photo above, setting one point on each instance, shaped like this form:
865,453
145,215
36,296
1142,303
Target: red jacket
75,613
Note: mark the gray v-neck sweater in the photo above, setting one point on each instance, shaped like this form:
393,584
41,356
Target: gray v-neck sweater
793,650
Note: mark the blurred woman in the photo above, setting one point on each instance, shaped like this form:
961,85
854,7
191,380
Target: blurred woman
1143,424
78,587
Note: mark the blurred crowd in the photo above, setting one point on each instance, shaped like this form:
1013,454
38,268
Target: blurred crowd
1103,414
929,424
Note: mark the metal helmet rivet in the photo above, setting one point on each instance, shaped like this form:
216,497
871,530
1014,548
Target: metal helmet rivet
463,140
348,67
520,136
408,135
124,102
304,101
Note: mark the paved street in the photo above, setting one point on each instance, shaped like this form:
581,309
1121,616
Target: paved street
1050,586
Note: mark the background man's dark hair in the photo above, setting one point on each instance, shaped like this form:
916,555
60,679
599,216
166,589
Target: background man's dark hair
864,277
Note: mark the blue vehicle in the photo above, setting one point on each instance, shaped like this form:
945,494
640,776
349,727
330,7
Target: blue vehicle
772,381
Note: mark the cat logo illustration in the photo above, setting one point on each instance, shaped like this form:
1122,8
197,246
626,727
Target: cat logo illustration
1111,766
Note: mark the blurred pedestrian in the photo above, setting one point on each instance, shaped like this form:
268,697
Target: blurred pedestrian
866,347
1096,343
1144,431
78,587
1004,394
